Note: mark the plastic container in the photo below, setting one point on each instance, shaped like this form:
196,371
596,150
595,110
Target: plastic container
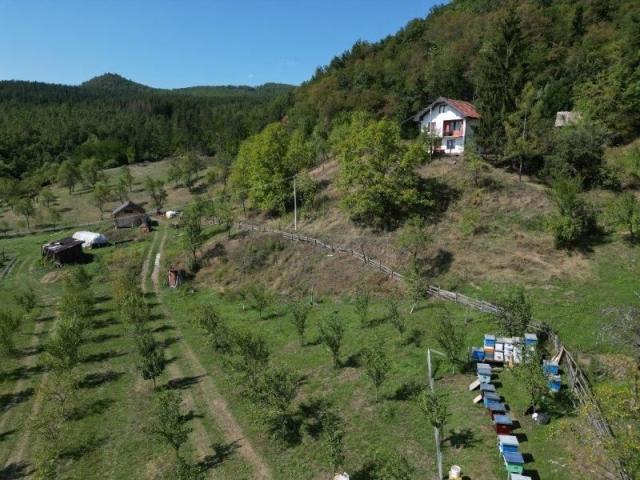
455,472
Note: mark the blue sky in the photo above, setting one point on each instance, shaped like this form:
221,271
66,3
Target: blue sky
171,43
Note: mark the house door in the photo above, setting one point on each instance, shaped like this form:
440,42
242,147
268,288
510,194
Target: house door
451,144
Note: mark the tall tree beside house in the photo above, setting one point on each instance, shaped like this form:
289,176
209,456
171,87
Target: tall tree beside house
265,166
499,75
378,181
524,130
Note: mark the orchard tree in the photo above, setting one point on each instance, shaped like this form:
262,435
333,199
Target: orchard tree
259,297
219,335
332,335
101,195
574,218
155,189
299,313
26,209
90,171
54,215
277,388
376,364
193,236
515,313
63,348
362,301
531,377
167,422
9,325
126,177
151,360
451,338
333,433
47,197
253,353
394,315
68,175
624,211
435,408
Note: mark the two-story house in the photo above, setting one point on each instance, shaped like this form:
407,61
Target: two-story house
451,120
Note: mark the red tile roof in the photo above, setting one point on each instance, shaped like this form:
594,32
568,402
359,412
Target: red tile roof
467,109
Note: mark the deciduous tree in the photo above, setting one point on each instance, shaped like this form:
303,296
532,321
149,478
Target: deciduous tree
332,335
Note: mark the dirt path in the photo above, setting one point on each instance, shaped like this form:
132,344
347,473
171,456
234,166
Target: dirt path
18,454
215,402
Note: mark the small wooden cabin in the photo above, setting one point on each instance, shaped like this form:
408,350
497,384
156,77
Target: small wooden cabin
129,215
66,250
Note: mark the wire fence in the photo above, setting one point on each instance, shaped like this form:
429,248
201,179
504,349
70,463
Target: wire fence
577,380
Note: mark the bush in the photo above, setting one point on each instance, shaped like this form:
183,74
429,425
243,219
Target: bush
575,219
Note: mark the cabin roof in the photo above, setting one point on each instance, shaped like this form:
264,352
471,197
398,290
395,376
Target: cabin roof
126,205
62,245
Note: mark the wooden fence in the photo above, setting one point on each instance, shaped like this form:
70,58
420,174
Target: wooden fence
577,380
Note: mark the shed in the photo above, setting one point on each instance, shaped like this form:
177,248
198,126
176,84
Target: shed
129,215
175,277
90,239
66,250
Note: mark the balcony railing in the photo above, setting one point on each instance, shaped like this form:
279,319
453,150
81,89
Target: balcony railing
452,133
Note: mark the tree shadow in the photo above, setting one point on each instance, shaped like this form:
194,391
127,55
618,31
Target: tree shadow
221,452
31,351
407,391
463,438
163,328
104,337
443,196
311,413
5,435
440,263
415,337
93,380
79,451
97,407
21,373
353,361
167,342
102,356
15,470
107,322
9,400
183,383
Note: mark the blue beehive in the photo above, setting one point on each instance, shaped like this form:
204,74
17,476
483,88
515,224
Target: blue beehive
496,408
487,387
530,339
490,397
550,368
489,340
555,382
484,373
514,462
477,354
508,443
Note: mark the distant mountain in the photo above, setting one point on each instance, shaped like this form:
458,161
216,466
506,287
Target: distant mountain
117,83
114,82
266,90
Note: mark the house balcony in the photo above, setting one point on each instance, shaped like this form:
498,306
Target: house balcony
452,133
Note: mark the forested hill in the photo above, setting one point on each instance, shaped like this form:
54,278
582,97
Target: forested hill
118,121
576,54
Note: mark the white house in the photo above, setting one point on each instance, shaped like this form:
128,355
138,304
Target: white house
452,120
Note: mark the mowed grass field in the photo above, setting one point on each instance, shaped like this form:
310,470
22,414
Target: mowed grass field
77,208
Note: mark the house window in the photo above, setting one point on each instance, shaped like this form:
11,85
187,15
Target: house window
451,144
441,108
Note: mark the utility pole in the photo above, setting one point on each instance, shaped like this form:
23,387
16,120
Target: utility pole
436,431
295,205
